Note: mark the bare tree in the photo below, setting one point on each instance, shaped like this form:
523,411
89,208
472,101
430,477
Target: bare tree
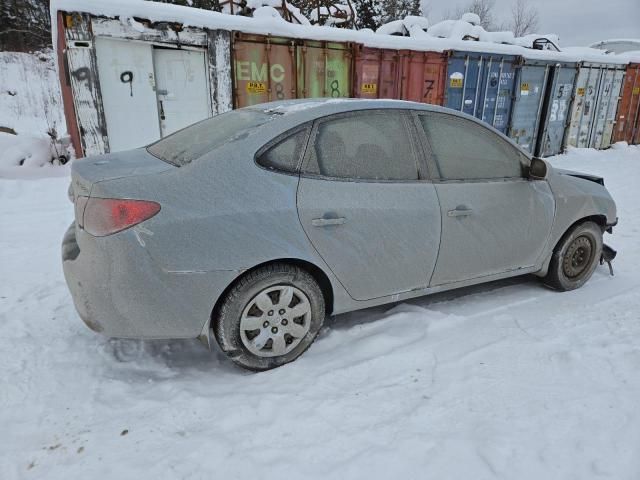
25,25
482,8
524,18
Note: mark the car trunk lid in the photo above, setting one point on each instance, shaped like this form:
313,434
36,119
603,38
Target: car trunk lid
87,172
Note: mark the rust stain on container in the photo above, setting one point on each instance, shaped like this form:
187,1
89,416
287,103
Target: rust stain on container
627,127
263,69
324,69
423,76
376,73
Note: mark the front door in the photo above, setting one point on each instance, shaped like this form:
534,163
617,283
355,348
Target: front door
182,88
364,206
494,220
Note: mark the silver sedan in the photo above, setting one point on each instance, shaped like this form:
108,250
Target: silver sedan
251,227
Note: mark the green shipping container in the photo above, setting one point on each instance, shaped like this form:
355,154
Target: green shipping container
324,69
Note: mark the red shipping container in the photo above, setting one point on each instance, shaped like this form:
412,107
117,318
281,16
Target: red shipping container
423,76
627,128
377,73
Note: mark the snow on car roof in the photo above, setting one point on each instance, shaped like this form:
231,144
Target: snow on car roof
267,25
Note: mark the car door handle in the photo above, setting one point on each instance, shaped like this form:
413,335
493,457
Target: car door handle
327,222
459,212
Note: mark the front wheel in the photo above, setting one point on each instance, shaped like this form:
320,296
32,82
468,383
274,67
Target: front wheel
576,257
270,317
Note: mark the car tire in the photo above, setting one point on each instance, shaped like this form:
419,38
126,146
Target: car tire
576,257
270,317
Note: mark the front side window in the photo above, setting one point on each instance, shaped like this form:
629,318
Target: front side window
463,150
368,145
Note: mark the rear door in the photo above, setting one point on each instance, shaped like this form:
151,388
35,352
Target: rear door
182,87
365,206
494,220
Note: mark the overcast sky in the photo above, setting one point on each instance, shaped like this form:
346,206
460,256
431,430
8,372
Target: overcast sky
577,22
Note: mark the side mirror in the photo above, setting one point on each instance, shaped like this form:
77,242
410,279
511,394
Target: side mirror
538,169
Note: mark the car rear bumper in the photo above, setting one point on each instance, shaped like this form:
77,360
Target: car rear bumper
119,291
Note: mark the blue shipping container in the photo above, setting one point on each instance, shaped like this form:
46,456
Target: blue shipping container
541,105
556,111
481,84
527,103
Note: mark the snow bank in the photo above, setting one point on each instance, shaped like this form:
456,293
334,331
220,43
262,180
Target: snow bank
31,106
159,12
30,100
27,156
507,380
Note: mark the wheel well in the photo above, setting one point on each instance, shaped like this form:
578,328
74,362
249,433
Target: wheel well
600,220
597,219
316,272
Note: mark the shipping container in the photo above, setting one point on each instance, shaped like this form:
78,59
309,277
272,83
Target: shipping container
127,84
424,76
376,73
264,69
324,69
596,96
482,85
627,128
530,89
556,107
542,98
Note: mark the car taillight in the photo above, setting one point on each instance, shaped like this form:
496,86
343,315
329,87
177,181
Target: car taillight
106,216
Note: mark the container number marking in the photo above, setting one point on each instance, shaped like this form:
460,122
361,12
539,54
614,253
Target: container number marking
581,91
456,83
335,89
256,87
429,87
369,88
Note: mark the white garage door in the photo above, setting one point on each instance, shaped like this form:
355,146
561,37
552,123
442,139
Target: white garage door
182,87
128,95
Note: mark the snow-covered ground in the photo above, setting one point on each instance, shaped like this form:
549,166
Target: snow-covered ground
31,109
507,380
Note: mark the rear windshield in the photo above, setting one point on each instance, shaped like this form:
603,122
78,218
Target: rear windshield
193,142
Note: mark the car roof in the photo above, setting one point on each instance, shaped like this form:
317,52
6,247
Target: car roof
306,109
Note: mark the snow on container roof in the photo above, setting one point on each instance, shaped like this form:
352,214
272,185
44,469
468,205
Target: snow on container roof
268,25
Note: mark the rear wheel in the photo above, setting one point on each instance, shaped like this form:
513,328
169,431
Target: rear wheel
270,317
576,257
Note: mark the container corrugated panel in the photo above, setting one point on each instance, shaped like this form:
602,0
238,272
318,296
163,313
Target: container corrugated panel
597,89
606,107
556,109
324,69
627,127
376,73
423,76
529,97
264,69
482,85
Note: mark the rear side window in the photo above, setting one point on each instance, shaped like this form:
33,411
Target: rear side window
464,150
190,143
285,154
368,145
